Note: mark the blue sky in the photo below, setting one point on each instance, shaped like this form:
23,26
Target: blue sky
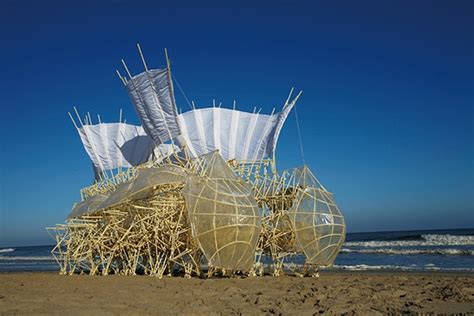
387,110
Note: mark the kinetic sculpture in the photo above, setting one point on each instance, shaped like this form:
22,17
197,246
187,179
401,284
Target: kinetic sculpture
195,194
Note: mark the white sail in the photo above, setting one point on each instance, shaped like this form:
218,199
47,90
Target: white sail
152,95
237,135
114,145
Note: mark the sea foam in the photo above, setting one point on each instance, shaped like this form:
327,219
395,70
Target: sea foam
425,240
398,251
365,267
26,258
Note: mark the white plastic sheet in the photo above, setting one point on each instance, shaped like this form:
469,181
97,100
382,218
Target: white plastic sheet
152,96
237,135
114,145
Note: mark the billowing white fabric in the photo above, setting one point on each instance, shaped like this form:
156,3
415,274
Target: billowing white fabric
281,118
114,145
152,95
237,135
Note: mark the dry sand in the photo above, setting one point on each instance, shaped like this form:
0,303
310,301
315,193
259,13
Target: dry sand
332,293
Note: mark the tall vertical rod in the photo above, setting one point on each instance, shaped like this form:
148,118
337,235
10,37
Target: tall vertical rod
72,119
273,162
121,78
289,96
126,68
141,56
167,60
78,116
170,82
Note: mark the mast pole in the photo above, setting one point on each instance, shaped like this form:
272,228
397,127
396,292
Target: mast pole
141,56
168,66
289,96
126,68
78,116
121,78
167,60
72,119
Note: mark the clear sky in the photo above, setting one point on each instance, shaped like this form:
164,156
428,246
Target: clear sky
387,110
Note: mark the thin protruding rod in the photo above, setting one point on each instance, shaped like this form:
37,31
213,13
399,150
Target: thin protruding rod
213,103
273,164
78,116
98,117
142,57
297,97
233,106
72,119
126,68
167,59
171,90
120,116
89,116
193,105
289,96
121,78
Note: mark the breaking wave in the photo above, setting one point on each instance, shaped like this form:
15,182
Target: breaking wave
364,267
7,250
26,258
391,251
420,240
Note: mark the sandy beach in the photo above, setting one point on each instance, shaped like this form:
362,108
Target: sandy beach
331,293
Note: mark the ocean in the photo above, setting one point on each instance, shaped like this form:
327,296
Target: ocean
425,250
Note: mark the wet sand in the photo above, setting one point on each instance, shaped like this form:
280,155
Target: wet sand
331,293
